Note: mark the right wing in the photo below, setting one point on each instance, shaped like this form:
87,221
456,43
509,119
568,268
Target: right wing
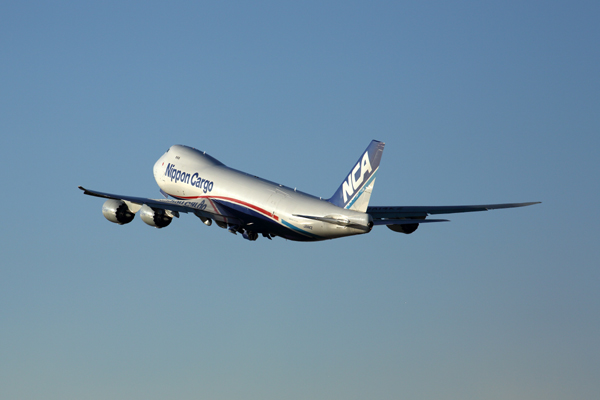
387,215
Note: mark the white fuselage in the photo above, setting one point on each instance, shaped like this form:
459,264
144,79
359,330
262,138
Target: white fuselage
262,206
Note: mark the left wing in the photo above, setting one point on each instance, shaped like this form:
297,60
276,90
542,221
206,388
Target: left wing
200,209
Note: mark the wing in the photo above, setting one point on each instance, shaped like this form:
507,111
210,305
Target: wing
204,209
367,228
388,214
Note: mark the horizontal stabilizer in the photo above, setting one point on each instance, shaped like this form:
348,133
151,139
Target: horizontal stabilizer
406,221
338,221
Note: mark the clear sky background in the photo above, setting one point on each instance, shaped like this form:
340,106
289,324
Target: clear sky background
477,102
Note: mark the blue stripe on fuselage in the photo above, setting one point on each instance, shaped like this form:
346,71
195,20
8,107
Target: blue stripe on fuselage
298,230
235,210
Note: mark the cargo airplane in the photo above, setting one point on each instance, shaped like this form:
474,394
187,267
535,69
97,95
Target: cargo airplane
194,182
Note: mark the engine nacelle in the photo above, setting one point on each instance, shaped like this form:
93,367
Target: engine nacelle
405,228
157,218
117,211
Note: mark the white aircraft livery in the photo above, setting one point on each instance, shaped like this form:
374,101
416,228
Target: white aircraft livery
194,182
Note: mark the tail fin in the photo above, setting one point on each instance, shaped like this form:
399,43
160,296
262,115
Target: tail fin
355,192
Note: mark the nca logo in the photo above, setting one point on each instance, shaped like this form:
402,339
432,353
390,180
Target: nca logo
356,177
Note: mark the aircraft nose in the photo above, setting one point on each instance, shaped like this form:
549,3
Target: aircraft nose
158,167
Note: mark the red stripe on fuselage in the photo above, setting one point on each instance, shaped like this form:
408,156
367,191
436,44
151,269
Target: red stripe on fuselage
245,204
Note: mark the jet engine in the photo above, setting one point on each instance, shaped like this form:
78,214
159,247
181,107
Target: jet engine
155,217
117,211
404,228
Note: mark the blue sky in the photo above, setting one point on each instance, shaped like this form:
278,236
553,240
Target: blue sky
477,103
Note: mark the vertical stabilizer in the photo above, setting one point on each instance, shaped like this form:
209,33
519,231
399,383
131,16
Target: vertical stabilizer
355,192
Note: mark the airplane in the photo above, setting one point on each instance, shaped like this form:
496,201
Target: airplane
192,181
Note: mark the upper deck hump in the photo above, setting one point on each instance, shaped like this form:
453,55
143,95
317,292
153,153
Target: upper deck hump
187,153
